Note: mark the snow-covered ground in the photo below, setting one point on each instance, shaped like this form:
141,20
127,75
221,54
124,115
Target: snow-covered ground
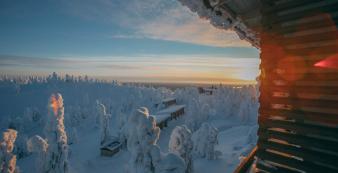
23,106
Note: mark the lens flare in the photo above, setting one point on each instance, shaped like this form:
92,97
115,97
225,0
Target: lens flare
329,62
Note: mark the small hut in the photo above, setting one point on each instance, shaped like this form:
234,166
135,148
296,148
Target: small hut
110,147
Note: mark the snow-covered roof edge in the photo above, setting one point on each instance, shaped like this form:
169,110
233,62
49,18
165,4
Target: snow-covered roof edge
223,17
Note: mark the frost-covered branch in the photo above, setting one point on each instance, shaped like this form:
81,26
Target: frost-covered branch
7,158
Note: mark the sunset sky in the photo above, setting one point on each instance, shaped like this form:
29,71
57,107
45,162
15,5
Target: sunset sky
137,41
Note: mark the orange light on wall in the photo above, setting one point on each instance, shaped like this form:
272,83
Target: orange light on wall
291,68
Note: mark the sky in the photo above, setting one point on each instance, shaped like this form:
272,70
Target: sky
133,40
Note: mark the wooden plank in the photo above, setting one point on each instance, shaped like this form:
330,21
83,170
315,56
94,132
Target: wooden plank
330,36
305,10
301,83
289,107
273,6
308,51
315,118
273,169
301,74
309,23
298,100
292,94
300,128
245,165
304,52
270,59
293,163
312,93
271,84
309,61
297,103
298,139
315,157
308,45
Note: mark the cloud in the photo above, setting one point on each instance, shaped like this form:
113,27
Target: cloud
155,19
144,68
67,64
193,31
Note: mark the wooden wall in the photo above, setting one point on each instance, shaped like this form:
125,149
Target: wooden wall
298,115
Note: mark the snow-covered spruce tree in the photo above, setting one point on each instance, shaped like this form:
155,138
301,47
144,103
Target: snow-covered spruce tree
205,139
57,153
7,158
180,143
38,146
104,122
142,135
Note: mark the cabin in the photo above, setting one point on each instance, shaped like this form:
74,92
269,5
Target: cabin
173,111
162,120
207,91
298,114
164,116
110,148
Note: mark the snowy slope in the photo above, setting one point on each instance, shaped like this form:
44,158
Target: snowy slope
233,110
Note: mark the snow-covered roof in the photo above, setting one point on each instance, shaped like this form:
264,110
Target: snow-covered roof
242,16
209,89
170,109
111,144
168,100
161,117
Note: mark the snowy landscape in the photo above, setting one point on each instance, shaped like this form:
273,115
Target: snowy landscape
60,123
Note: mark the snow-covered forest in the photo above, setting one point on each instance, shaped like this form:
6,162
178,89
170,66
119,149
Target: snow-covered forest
58,124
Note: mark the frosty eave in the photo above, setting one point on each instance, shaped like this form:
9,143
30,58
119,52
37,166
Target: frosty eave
242,16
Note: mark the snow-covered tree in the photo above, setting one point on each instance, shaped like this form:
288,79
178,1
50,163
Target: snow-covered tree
198,113
57,153
7,158
73,137
104,122
205,139
171,163
20,146
142,134
38,147
180,143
